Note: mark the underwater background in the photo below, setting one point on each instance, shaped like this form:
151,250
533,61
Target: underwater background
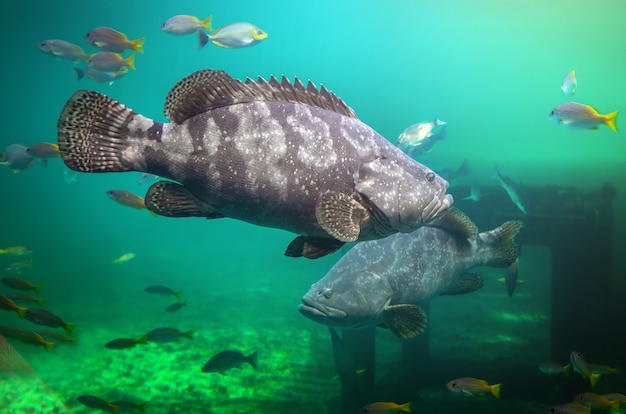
491,69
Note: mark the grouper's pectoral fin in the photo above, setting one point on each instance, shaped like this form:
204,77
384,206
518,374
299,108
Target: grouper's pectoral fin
169,199
340,215
312,247
405,321
468,283
456,223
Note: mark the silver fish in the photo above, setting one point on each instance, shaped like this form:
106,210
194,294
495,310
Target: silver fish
382,281
513,189
64,50
275,154
419,138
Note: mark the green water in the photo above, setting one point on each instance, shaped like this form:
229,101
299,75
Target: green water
490,69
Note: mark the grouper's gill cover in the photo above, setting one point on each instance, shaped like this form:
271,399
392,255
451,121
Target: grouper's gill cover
382,282
272,153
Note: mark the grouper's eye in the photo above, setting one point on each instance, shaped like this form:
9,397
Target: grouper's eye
326,292
430,176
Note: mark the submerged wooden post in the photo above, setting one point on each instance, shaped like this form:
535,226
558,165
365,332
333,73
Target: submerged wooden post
358,389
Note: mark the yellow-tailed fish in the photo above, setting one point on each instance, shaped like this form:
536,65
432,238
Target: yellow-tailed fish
43,150
28,337
98,403
551,368
184,24
581,366
63,50
110,62
237,35
596,401
124,258
385,408
568,87
20,284
100,76
47,318
126,198
7,304
473,386
569,408
579,116
604,369
111,40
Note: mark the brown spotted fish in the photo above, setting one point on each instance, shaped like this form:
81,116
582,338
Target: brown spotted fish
276,154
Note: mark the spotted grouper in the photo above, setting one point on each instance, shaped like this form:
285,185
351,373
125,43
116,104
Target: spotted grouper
381,282
276,154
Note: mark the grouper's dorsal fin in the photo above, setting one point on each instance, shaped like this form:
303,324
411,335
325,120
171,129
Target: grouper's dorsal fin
202,91
296,92
209,89
456,223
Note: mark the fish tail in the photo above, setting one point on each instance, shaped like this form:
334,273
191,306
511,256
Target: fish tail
406,407
79,73
178,294
40,301
95,134
38,288
206,23
495,390
137,44
502,242
567,369
190,334
49,346
253,359
142,407
114,408
3,251
593,379
610,120
21,311
203,39
130,61
143,340
69,327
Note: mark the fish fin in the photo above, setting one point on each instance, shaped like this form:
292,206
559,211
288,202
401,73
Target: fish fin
208,89
456,223
405,321
49,345
21,311
340,215
501,240
43,161
217,43
206,23
253,359
468,283
178,294
189,334
495,390
79,73
143,340
93,132
203,39
40,301
69,327
567,369
170,199
137,44
610,120
593,379
312,247
130,61
114,408
38,288
406,407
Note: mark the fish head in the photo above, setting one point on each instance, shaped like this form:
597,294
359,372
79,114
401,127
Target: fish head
579,363
402,198
346,300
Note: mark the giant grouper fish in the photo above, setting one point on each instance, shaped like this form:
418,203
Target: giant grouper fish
382,282
276,154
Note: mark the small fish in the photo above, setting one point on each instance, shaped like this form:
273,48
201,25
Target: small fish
226,360
130,406
47,318
581,366
596,401
175,307
578,116
237,35
145,177
19,266
126,198
110,40
28,337
125,343
124,258
614,396
22,298
97,403
16,158
183,24
511,277
604,369
569,408
16,251
385,408
453,176
63,50
20,284
419,138
164,335
473,386
551,368
512,188
110,62
43,150
100,76
568,87
163,291
9,305
55,336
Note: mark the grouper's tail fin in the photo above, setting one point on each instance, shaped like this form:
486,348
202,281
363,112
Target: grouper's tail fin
502,242
93,133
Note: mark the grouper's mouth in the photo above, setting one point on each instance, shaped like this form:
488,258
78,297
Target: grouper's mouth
437,207
319,312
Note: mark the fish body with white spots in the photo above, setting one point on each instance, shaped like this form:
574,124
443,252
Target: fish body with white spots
276,154
381,282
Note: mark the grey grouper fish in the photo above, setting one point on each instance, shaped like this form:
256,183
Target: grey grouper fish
381,282
275,154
